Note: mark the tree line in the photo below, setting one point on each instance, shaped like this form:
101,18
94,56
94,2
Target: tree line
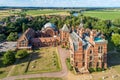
15,25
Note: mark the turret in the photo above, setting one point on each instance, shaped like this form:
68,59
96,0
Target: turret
64,35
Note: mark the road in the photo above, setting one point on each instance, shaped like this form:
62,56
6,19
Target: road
63,55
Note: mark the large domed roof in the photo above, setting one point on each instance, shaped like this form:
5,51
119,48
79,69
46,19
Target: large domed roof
49,25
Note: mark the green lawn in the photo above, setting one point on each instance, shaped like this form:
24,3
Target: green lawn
4,70
45,60
105,15
43,78
20,66
68,64
46,12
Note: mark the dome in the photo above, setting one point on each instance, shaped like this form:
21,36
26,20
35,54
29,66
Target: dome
49,25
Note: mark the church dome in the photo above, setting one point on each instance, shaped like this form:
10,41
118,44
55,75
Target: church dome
49,25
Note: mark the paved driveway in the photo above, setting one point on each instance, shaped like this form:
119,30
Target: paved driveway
5,46
63,55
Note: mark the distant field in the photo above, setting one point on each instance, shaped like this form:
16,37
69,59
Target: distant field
46,12
4,13
43,78
105,15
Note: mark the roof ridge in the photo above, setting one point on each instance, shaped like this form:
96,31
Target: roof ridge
65,28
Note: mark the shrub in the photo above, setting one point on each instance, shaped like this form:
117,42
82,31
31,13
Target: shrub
63,46
68,64
9,58
21,54
98,69
12,36
91,70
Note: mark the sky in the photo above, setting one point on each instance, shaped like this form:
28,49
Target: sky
61,3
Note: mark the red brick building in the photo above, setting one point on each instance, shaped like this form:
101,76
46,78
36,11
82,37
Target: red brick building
88,48
24,42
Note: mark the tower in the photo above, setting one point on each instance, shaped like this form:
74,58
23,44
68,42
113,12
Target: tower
64,35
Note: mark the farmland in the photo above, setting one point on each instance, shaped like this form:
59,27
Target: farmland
46,12
4,13
104,15
101,14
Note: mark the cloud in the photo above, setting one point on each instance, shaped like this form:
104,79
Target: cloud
61,3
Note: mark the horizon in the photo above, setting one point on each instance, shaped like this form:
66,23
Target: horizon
59,3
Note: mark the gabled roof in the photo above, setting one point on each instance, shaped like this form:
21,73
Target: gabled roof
26,35
65,28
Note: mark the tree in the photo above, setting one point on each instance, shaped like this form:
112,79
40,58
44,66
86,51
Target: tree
116,39
12,36
2,37
21,54
9,58
24,27
116,22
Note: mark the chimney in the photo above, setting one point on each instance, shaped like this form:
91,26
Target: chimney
91,37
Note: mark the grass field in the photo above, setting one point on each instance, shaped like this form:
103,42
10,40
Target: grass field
20,67
43,78
105,15
43,60
46,12
4,70
46,60
4,13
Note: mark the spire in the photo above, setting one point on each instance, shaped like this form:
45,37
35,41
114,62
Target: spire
81,23
65,28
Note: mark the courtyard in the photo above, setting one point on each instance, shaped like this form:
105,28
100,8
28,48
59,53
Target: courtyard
39,61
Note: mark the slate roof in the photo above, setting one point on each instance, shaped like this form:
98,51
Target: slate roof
76,39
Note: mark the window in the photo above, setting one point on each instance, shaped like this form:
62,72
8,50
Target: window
71,55
76,64
83,64
98,64
90,57
100,49
90,51
90,64
103,65
99,58
83,56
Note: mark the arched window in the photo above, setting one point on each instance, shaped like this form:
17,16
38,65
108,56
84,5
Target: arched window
99,49
90,51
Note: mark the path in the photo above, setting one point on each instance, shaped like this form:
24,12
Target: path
62,73
12,68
